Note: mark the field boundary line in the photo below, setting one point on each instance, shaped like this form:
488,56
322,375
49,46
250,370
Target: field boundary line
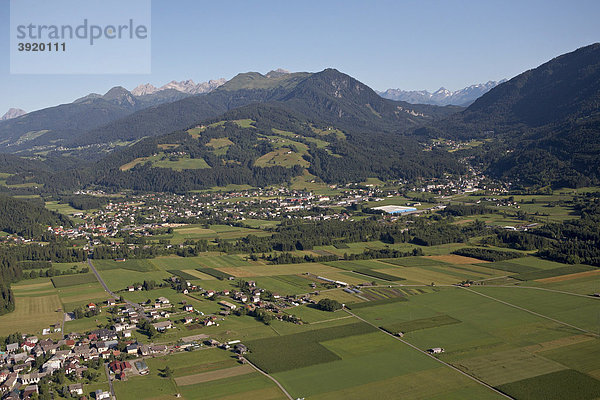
271,378
331,319
432,357
548,290
532,312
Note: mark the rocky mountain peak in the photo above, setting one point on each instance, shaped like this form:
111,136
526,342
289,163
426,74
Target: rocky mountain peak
13,113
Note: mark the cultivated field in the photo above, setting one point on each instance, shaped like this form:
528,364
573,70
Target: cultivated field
527,326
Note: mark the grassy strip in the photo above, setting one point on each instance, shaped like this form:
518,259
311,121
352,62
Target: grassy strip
379,275
214,272
356,306
565,384
138,265
509,267
181,274
423,323
413,262
72,280
284,353
549,273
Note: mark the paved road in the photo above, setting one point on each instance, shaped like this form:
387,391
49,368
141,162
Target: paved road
110,382
100,279
271,378
138,307
430,356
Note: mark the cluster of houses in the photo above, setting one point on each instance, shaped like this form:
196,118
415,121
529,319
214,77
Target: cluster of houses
19,375
160,209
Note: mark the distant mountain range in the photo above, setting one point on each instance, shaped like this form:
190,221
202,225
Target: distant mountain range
187,86
13,113
50,128
442,96
95,124
543,126
539,128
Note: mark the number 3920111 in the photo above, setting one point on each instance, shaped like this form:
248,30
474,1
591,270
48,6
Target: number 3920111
42,46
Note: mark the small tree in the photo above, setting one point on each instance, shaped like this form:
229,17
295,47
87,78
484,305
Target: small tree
329,305
167,372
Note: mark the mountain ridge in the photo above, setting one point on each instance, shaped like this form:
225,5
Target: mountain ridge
543,123
442,96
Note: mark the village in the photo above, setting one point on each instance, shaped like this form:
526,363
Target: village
145,214
29,363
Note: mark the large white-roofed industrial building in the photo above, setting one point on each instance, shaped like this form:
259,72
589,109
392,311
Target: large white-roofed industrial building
395,209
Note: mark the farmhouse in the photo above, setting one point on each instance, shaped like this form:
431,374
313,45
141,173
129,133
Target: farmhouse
119,366
29,391
240,348
101,395
141,367
76,389
9,383
144,350
227,304
102,334
158,348
162,326
12,347
132,348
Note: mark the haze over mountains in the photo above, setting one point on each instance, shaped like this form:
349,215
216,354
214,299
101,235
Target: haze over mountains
442,96
82,122
538,128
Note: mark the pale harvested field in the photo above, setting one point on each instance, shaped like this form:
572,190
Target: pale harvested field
31,315
558,343
92,294
508,366
195,230
32,286
214,375
595,373
198,274
237,272
456,259
568,277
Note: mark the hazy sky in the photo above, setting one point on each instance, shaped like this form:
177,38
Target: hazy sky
403,44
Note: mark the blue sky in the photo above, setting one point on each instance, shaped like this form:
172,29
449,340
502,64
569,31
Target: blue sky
420,44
